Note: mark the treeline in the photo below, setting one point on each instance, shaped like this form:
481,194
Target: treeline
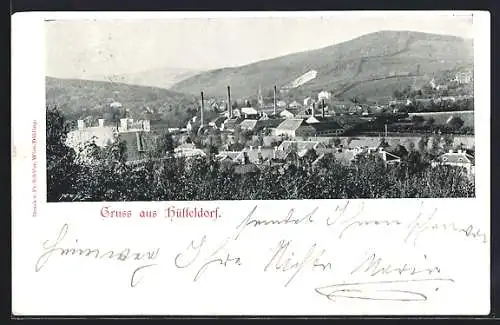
415,124
92,173
431,105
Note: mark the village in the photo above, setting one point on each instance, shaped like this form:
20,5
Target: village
248,136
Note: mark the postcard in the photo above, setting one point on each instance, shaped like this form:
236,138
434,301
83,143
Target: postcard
251,163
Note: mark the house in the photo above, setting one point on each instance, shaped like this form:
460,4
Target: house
101,136
217,122
236,113
343,157
188,150
281,104
324,95
293,128
249,111
388,157
267,123
246,167
316,119
286,114
308,101
356,109
158,125
463,77
300,146
130,125
294,104
248,124
461,158
231,124
116,105
227,159
327,128
232,155
257,155
364,143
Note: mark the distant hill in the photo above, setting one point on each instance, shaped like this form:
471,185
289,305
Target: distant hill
161,78
83,98
373,66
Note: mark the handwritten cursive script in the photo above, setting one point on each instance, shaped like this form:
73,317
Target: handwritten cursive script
54,247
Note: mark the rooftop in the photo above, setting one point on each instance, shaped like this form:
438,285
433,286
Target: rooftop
300,145
291,124
460,157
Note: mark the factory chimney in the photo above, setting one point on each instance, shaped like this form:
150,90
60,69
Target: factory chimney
229,105
323,108
312,109
274,100
202,109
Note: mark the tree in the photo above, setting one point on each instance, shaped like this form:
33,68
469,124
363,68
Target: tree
61,170
309,157
164,145
456,122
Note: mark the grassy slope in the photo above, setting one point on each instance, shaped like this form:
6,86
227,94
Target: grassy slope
372,56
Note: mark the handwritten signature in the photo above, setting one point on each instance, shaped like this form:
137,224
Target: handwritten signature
389,290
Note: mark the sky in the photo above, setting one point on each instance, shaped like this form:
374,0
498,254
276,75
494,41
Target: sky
79,48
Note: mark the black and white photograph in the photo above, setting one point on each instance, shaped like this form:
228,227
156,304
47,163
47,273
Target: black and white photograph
264,108
251,164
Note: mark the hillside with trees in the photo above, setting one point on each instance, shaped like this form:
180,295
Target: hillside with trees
373,65
79,99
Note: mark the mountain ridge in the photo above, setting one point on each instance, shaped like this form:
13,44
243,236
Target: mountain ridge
370,56
164,77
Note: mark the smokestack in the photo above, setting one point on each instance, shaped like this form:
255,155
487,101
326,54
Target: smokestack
312,109
323,109
202,108
230,106
274,100
385,125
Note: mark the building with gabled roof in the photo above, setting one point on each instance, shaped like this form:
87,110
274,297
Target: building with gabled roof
300,145
289,127
248,124
249,111
308,101
327,128
286,113
217,122
460,158
231,124
388,157
346,157
364,143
